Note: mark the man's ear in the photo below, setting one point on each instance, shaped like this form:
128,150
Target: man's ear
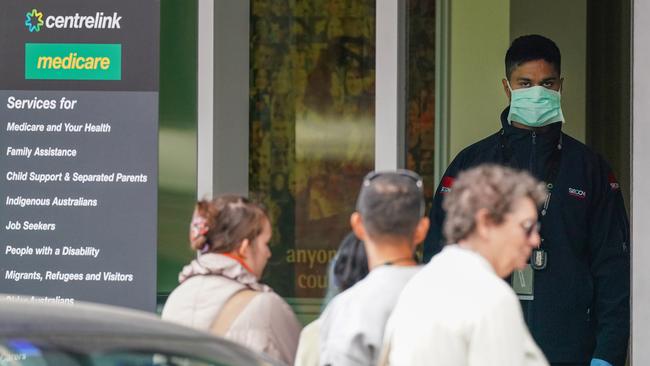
357,226
421,230
244,249
506,89
561,84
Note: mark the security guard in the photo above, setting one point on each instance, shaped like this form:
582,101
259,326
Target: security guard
575,291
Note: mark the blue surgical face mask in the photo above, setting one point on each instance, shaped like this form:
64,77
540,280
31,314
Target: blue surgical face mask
536,106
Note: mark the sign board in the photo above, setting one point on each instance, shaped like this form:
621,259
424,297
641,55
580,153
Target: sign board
79,150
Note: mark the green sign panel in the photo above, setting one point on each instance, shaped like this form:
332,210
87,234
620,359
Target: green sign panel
73,61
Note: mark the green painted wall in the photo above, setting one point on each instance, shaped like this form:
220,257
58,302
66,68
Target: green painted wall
480,35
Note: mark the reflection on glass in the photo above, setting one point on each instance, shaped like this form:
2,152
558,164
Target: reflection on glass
177,137
420,91
311,132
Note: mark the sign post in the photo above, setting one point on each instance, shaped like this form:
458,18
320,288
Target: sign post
79,150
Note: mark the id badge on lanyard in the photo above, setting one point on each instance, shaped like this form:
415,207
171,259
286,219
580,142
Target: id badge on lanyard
522,283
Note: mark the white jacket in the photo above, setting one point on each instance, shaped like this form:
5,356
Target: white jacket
457,312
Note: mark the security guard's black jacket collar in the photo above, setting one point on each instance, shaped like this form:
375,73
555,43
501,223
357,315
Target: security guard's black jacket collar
545,135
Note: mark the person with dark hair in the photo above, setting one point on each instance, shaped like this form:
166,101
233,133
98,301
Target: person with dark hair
390,221
220,291
575,296
349,266
350,263
457,310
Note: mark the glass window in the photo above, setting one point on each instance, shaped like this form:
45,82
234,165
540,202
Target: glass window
311,132
420,92
177,137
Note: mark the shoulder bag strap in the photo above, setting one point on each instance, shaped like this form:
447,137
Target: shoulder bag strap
231,310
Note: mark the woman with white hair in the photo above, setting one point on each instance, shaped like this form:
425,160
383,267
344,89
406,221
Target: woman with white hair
458,310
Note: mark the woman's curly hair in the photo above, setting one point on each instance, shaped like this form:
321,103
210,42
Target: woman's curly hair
492,187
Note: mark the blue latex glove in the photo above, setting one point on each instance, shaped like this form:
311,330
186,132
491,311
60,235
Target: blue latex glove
599,362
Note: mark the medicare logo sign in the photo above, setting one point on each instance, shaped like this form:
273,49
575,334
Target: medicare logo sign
35,20
73,61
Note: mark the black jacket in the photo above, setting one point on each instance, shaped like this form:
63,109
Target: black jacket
581,299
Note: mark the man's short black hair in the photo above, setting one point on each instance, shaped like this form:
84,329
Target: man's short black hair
391,203
530,48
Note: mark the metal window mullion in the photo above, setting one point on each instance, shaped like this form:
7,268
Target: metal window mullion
640,297
223,95
442,89
205,69
390,84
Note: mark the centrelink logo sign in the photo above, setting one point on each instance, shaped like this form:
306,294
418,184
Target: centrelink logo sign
36,20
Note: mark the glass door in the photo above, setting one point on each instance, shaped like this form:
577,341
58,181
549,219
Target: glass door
311,133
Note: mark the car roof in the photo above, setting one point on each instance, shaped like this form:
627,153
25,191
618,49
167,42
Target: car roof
22,316
92,327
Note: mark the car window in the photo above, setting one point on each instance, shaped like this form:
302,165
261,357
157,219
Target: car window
21,352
